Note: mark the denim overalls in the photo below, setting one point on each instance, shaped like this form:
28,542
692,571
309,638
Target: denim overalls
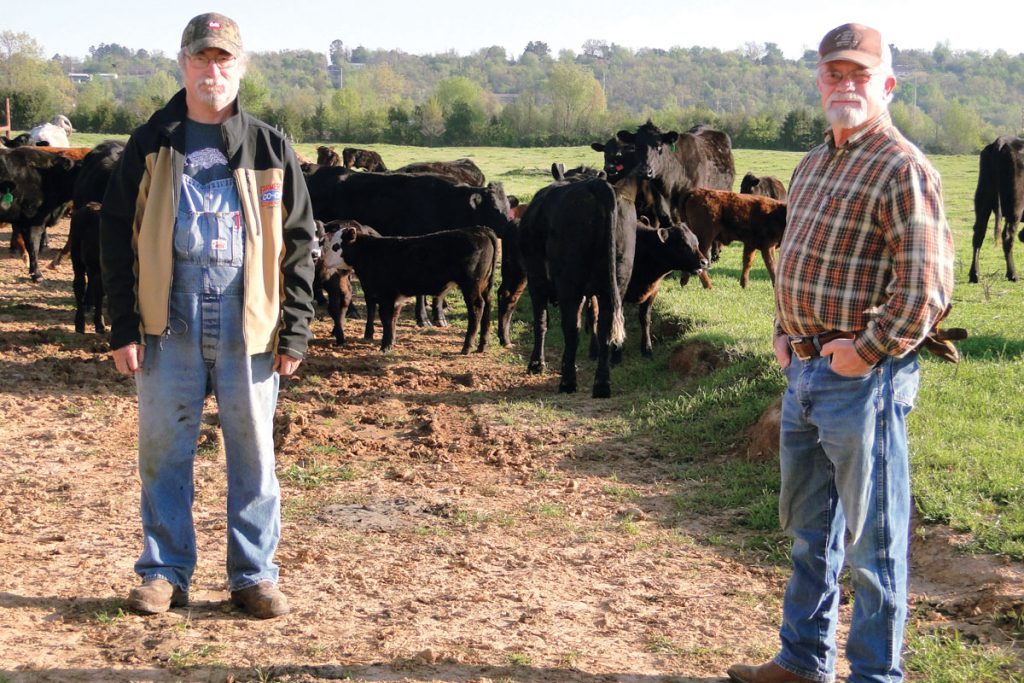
203,351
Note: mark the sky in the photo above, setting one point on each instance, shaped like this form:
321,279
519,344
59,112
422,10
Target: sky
70,27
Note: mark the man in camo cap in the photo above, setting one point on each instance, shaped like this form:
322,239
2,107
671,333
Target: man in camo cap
207,236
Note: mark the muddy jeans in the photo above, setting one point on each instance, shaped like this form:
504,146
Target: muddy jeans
203,351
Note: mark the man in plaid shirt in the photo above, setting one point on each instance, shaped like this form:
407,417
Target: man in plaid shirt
865,270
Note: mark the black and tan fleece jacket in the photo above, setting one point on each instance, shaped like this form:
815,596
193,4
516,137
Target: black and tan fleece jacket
137,226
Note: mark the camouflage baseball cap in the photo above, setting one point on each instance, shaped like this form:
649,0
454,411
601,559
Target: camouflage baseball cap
855,43
212,30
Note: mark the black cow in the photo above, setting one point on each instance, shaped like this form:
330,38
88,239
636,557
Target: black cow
765,186
35,187
659,251
85,261
676,163
577,240
1001,191
91,184
407,204
513,273
391,269
339,283
366,159
461,170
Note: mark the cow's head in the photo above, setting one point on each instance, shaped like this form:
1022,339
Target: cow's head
684,249
619,157
491,207
325,156
652,148
337,243
749,182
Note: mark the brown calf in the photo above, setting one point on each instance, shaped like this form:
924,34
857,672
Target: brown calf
755,221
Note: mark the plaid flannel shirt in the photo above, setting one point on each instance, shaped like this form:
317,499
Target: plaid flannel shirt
867,247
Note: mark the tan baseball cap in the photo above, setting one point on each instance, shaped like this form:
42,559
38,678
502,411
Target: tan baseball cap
212,30
853,43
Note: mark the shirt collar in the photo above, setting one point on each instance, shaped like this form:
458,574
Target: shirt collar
876,125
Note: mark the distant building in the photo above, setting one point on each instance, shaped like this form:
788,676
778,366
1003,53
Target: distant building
80,77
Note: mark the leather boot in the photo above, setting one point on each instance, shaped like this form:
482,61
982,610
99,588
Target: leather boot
766,673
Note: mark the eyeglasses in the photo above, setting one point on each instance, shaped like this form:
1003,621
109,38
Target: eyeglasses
223,61
833,77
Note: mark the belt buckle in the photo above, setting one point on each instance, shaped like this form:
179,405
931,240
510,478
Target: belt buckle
796,344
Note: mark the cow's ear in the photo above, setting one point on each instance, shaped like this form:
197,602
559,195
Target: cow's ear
662,235
558,171
602,175
476,199
597,146
348,235
626,136
670,137
62,162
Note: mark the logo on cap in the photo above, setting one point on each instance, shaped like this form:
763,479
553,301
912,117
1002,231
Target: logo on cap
214,24
847,39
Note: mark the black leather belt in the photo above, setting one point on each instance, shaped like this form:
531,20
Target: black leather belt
806,348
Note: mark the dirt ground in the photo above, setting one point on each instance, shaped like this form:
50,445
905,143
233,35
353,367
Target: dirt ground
434,529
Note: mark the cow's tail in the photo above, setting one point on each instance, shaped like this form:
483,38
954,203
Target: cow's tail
495,249
618,332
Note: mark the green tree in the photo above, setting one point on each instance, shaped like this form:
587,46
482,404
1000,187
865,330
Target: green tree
577,99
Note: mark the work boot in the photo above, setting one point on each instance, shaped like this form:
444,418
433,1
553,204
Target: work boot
156,596
263,601
766,673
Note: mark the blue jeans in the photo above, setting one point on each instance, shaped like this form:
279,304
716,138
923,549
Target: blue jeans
203,351
846,495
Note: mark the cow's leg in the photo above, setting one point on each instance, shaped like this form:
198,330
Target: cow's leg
78,285
437,311
474,312
768,254
389,312
705,279
602,375
371,314
32,243
1008,229
569,307
539,301
508,297
65,250
336,307
748,262
422,320
646,347
981,215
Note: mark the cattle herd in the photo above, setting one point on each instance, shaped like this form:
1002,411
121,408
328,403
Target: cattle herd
589,242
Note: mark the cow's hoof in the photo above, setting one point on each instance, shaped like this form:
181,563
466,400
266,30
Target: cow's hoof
339,342
36,276
1012,278
646,353
973,278
567,388
535,368
602,391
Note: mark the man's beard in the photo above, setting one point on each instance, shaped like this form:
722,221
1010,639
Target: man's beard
850,115
217,95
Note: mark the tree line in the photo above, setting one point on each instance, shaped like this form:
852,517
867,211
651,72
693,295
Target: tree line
946,101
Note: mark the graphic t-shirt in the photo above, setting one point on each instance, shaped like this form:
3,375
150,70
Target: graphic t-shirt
205,160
